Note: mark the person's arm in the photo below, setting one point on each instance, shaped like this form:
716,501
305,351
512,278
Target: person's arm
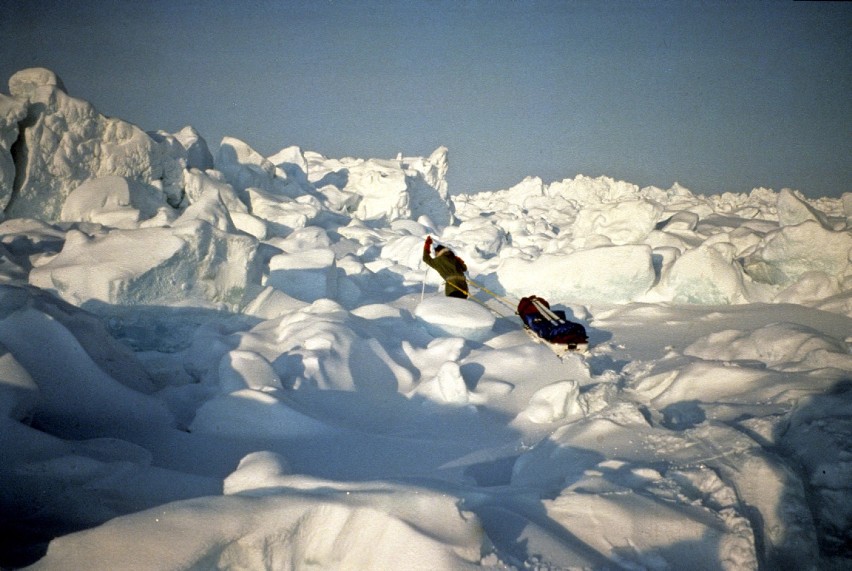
427,250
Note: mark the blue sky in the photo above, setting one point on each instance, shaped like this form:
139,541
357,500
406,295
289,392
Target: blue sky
717,96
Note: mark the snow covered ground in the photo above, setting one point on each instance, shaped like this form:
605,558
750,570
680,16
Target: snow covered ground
240,362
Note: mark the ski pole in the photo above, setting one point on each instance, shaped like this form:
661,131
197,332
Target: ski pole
423,289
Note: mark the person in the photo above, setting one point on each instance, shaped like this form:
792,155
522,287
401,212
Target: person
449,266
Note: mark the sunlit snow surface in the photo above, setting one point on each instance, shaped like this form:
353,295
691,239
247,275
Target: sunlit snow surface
240,362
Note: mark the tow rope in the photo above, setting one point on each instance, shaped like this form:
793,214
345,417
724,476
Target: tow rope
502,300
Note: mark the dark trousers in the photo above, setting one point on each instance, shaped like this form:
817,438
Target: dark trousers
453,292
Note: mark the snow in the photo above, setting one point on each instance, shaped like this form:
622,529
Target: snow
242,363
455,317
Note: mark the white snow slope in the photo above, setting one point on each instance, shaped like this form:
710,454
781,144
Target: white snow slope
240,362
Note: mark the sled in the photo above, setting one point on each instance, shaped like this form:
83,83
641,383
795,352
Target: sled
552,327
543,324
559,349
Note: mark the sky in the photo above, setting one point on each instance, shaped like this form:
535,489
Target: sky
717,96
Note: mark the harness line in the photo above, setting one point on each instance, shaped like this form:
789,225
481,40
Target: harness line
502,300
469,296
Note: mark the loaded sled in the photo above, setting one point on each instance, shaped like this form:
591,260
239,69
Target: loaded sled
541,323
551,326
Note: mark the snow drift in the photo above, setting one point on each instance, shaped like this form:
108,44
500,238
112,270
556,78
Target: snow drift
220,360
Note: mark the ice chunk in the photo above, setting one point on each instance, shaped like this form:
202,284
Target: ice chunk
793,210
198,154
554,402
112,201
388,189
66,142
292,161
153,266
626,222
282,213
308,275
12,112
705,275
383,188
681,221
610,274
792,251
599,190
810,289
244,167
447,387
453,317
427,184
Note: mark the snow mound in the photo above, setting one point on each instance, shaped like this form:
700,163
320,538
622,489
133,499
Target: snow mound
448,386
240,370
455,317
325,347
306,523
606,470
107,394
818,432
781,346
257,474
309,275
554,402
256,414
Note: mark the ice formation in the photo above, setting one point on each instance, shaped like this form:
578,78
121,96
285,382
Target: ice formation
225,360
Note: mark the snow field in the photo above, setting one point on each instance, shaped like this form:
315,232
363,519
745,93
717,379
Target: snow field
241,363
